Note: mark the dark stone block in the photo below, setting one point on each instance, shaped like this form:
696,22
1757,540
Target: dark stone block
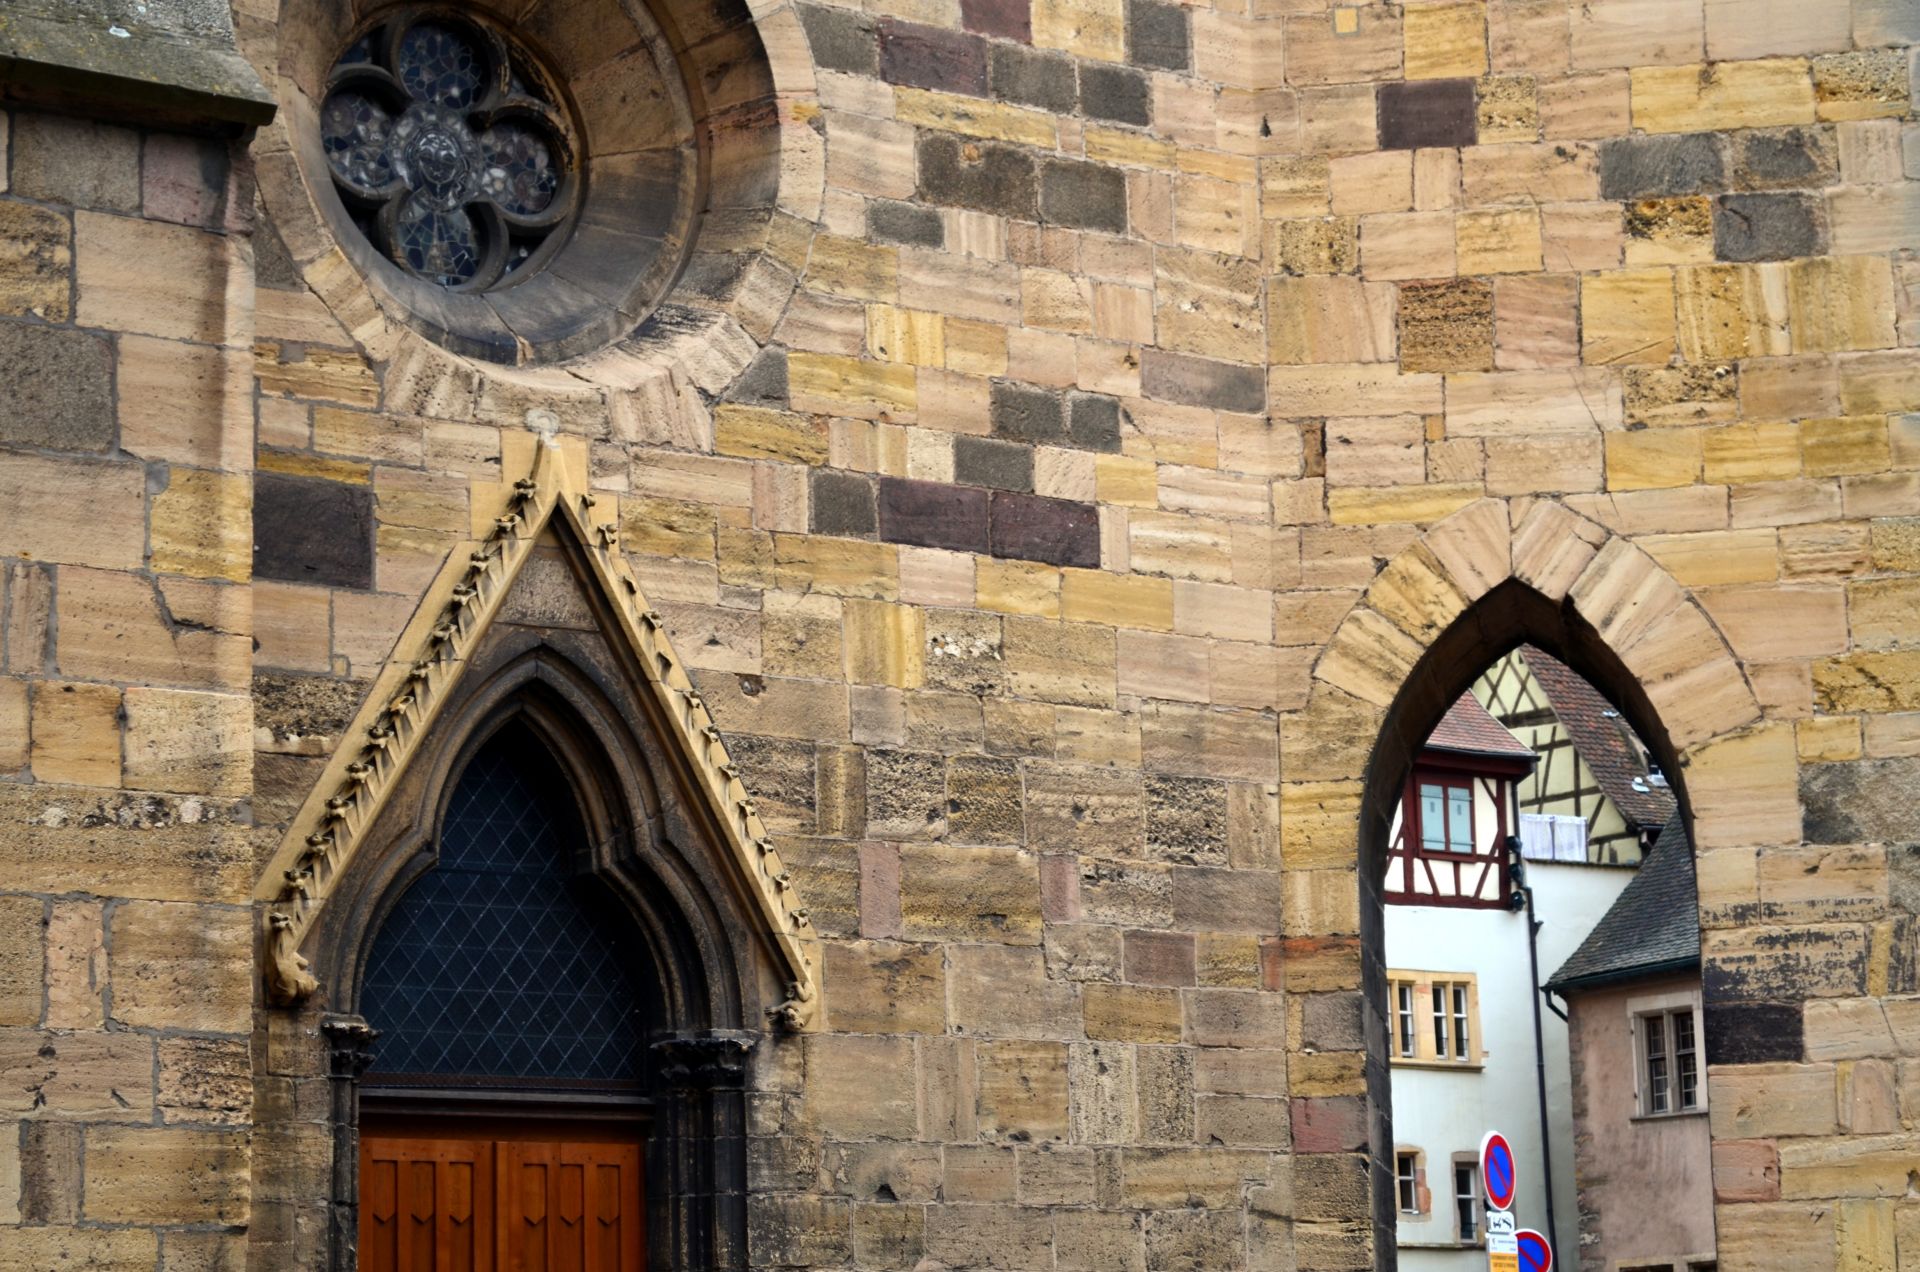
984,176
1754,1033
1652,167
1057,531
909,223
1181,377
1031,78
986,461
1425,113
842,503
55,389
1158,36
1785,159
1767,227
1027,413
929,57
1119,93
1866,801
1083,196
842,39
931,514
1093,422
306,530
764,382
1008,19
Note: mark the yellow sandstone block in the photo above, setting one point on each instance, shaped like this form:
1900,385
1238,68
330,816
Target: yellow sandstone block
1653,459
975,348
885,644
906,335
850,267
1627,317
1017,587
835,385
202,525
1714,558
974,117
1121,479
836,567
1089,28
1726,312
1742,453
1827,739
1704,98
1841,303
1128,149
1120,600
752,432
1844,445
1446,41
1504,241
76,734
1363,506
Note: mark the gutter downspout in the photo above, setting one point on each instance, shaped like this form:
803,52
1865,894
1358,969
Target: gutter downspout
1539,1038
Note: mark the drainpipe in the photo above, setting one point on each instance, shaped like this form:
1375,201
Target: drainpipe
1539,1035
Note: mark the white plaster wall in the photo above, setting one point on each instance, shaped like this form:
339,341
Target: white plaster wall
1446,1112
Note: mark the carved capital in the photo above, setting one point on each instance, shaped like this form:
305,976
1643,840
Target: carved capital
704,1062
349,1045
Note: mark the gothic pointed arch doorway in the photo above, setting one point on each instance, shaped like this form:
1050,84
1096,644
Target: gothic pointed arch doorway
507,1104
530,948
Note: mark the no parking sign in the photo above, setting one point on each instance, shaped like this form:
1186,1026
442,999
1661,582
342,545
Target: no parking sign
1497,1175
1535,1254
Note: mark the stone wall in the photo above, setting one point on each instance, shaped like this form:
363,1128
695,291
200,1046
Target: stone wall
126,457
1054,482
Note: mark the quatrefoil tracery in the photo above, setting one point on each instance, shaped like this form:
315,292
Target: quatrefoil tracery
448,150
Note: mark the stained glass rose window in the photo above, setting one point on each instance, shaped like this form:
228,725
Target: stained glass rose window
448,149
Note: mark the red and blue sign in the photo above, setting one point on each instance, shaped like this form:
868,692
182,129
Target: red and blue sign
1535,1254
1497,1174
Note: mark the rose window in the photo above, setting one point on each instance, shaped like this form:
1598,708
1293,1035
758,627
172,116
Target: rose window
449,151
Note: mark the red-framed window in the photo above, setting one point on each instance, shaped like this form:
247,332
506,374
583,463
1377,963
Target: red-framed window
1442,821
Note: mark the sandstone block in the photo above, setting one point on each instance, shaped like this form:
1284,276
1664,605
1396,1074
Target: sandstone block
181,966
166,1175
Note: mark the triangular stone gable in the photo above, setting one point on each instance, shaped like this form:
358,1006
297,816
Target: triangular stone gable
476,588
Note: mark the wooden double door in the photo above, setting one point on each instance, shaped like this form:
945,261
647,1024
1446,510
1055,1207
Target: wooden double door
500,1197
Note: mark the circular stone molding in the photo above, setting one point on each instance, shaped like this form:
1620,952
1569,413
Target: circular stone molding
520,189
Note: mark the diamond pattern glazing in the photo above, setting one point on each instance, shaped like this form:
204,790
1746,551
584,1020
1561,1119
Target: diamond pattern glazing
496,963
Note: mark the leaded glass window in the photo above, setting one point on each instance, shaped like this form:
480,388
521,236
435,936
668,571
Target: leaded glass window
448,149
500,962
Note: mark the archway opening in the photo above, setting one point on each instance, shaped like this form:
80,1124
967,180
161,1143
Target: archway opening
1531,955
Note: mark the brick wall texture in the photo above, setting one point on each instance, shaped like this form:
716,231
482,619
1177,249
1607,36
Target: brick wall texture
1120,398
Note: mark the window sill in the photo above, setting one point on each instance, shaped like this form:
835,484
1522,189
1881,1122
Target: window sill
1677,1115
1451,1066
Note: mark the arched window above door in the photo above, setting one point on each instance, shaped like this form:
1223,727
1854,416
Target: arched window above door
503,963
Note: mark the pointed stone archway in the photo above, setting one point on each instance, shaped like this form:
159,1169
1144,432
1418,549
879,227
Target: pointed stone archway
1480,582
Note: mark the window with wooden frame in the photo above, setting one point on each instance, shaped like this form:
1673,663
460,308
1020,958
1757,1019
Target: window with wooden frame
1408,1170
1669,1077
1443,814
1436,1018
1449,846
